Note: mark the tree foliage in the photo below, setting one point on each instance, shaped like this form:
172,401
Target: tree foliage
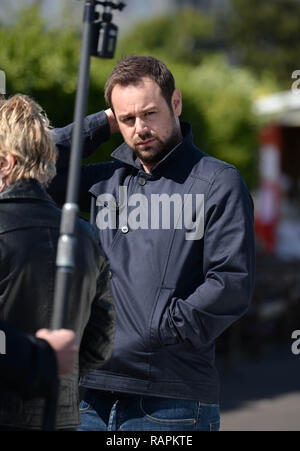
184,37
43,63
265,36
39,62
217,100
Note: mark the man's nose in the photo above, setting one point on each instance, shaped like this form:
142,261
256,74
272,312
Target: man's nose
140,126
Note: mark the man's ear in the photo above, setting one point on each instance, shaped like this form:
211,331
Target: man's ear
7,163
177,102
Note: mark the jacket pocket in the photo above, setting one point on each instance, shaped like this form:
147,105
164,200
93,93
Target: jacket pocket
162,299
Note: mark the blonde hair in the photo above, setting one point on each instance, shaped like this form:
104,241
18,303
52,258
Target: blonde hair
25,134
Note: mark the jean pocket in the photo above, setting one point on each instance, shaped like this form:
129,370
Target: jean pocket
169,411
209,417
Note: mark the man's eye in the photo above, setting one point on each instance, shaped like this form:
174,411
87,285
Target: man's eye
128,119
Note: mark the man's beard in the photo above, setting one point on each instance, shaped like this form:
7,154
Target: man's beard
158,149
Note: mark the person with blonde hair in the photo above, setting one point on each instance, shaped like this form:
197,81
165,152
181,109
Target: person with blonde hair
27,150
29,232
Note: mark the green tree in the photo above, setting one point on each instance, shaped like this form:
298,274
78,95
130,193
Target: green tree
265,36
217,100
43,63
40,62
186,36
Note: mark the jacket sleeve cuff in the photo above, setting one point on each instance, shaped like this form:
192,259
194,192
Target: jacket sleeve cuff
45,369
96,131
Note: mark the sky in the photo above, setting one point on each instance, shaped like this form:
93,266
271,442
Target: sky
133,12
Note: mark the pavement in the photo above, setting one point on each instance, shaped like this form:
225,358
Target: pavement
261,393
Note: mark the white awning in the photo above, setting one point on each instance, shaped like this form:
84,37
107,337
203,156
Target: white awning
283,106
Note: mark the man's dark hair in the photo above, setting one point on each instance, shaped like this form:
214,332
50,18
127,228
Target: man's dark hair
130,70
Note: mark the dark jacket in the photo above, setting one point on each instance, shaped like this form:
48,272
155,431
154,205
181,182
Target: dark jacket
27,355
29,231
174,294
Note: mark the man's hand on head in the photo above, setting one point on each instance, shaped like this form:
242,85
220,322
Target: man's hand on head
113,124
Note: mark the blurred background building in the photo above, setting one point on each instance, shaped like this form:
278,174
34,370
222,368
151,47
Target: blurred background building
233,60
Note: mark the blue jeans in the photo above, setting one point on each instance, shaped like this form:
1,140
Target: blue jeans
105,411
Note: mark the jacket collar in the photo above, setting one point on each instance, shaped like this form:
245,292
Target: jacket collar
126,155
25,189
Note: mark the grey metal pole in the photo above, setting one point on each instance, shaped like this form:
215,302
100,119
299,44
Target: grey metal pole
65,260
67,242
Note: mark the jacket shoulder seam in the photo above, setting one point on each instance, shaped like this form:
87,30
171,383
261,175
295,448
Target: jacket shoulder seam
217,173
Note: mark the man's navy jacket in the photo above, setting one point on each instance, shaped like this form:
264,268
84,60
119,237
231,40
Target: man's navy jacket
176,288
